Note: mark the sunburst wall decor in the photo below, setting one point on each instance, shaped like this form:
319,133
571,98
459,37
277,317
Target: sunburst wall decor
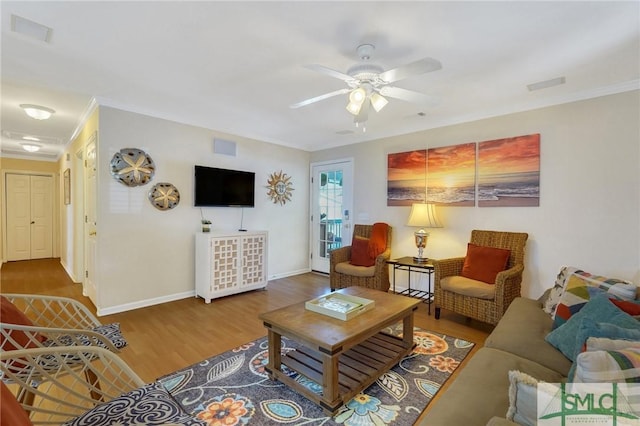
280,187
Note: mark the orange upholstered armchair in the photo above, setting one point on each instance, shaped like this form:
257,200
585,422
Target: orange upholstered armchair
482,300
344,273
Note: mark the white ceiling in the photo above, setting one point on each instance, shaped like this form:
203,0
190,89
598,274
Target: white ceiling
235,67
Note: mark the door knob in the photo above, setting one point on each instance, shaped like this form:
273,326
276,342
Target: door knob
33,222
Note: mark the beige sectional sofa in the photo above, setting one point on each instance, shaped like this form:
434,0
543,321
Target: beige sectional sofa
480,393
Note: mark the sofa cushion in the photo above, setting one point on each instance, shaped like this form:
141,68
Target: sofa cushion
480,391
358,271
360,252
484,263
522,331
599,309
468,287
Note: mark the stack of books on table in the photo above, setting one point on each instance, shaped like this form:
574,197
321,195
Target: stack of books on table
340,306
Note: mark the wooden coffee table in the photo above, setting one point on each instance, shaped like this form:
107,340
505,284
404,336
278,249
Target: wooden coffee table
344,357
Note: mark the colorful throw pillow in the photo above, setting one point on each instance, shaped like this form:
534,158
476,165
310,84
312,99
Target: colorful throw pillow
621,366
12,412
484,263
360,252
551,303
10,314
600,310
581,287
378,240
148,405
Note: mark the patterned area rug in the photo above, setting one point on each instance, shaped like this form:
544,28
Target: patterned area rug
234,389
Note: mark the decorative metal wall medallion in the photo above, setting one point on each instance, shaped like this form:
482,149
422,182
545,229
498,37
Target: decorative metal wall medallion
280,187
132,167
164,196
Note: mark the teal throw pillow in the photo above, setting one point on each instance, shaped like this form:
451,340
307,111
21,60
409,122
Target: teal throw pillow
600,310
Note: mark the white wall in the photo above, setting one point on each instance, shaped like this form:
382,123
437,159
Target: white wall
589,213
145,255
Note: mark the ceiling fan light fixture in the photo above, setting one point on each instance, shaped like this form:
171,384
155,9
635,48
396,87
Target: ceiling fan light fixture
37,112
358,95
378,101
30,147
354,107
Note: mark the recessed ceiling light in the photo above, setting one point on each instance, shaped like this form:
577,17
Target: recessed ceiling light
547,83
31,138
30,29
30,147
38,112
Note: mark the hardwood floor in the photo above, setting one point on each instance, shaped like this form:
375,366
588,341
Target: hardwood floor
165,338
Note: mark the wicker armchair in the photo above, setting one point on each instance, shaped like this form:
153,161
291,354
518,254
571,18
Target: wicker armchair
507,284
65,389
62,320
376,277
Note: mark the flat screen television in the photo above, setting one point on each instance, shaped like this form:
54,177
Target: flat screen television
223,188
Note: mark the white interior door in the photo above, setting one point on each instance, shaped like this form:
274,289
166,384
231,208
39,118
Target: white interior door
29,216
90,224
41,217
331,206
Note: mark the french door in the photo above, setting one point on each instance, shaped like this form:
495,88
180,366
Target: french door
331,210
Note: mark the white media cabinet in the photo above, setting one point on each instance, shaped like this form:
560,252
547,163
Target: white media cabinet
230,262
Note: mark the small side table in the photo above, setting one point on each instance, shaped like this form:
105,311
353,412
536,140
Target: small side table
408,264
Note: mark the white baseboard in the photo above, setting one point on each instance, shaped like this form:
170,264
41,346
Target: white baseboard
144,303
173,297
289,274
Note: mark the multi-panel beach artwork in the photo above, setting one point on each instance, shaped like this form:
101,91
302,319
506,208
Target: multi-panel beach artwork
496,173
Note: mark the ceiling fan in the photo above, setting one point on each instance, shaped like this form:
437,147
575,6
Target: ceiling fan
369,85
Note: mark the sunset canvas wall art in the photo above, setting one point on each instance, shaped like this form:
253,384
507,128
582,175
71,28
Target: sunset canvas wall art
451,175
406,177
509,172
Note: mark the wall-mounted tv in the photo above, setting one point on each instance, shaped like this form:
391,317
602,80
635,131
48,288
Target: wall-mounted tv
223,188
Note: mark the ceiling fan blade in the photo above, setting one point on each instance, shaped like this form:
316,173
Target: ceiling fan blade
421,66
319,98
409,96
363,115
330,72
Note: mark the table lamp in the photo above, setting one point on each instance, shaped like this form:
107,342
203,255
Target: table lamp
422,216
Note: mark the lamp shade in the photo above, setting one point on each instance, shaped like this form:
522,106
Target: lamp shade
424,216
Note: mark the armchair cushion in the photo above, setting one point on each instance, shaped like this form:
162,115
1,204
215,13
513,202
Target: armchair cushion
354,270
148,405
484,263
360,255
468,287
10,314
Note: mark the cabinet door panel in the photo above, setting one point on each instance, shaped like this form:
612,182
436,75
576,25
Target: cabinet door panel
224,264
253,254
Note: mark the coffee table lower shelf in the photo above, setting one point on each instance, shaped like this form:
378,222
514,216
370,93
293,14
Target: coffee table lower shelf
358,368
